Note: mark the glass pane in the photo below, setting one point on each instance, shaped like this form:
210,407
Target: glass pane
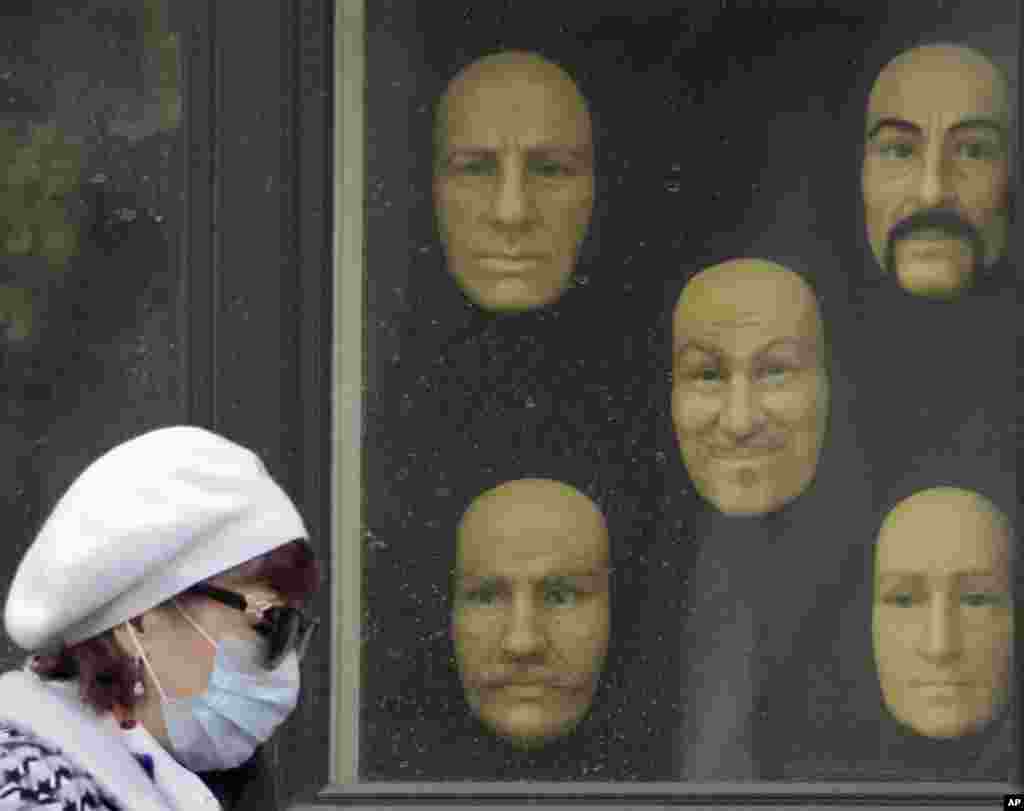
528,243
91,200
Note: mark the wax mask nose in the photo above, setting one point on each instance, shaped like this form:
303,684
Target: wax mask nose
741,413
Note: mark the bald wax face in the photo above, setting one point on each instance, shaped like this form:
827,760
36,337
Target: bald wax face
943,612
937,139
513,180
749,386
532,609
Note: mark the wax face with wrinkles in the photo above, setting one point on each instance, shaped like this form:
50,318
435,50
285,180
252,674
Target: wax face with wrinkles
943,615
937,143
531,608
513,180
749,386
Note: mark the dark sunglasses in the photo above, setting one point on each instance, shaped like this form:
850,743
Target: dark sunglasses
284,627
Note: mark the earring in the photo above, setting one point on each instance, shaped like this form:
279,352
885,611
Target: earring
124,719
138,689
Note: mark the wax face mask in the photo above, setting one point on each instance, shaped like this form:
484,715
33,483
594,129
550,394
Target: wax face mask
749,386
531,609
935,172
942,620
514,181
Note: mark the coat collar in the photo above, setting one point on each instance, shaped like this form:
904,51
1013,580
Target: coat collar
57,715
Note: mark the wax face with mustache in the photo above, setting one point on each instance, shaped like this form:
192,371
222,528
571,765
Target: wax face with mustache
513,180
749,386
531,608
935,173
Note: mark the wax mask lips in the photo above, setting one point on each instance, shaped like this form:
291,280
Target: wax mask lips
754,448
510,263
940,685
500,679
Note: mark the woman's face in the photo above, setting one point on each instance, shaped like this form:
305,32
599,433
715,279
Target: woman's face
181,657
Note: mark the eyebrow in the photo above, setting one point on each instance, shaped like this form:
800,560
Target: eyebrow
580,153
588,573
907,126
902,573
800,344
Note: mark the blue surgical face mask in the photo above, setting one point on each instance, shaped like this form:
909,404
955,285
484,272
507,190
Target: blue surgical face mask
242,705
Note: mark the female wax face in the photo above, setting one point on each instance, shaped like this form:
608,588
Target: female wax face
531,609
943,613
749,389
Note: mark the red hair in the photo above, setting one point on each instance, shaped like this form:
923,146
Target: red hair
107,675
291,570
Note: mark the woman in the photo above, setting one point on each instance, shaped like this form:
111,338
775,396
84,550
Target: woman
161,599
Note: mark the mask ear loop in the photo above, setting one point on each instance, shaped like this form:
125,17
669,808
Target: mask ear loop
195,625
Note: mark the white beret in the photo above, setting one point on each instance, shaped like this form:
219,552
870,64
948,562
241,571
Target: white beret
147,520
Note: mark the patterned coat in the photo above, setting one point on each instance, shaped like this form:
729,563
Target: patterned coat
56,753
36,773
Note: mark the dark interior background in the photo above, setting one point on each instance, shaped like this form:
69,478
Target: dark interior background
722,130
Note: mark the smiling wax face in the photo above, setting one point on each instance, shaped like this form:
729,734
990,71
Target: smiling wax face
749,386
513,180
531,608
935,174
943,613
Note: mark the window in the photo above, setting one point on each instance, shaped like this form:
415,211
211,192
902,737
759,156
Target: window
467,357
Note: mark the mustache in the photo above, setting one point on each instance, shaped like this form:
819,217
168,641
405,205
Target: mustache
945,220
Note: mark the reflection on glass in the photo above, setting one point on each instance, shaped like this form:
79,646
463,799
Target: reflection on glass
38,234
750,388
45,154
90,210
531,610
514,180
943,611
935,173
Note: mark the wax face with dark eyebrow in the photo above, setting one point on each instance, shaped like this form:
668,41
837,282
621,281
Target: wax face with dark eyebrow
531,608
935,173
513,180
749,387
942,620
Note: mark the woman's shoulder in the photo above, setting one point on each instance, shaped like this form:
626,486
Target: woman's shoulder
34,773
